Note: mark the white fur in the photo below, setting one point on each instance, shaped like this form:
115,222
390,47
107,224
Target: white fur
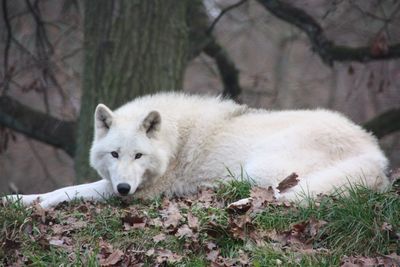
199,137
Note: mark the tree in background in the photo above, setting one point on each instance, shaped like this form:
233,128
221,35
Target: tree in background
131,48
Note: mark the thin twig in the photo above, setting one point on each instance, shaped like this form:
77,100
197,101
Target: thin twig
7,46
44,50
222,13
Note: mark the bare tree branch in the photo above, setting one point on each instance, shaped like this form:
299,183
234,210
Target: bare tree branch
385,123
42,38
227,69
37,125
220,15
326,49
7,45
202,41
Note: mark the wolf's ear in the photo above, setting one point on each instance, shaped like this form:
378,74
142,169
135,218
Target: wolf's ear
103,118
151,124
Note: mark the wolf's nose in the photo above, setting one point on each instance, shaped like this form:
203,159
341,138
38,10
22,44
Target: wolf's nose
123,188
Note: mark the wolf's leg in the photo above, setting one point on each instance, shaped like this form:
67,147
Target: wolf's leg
92,191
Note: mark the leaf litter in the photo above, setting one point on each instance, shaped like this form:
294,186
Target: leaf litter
177,218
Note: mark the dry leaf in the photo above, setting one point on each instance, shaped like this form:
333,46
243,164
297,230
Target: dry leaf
165,255
155,222
240,227
287,183
394,257
212,255
261,196
132,219
193,221
171,216
362,261
184,231
39,212
241,206
112,259
56,242
212,251
159,237
150,252
314,227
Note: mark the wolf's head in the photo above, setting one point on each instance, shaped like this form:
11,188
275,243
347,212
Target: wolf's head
126,149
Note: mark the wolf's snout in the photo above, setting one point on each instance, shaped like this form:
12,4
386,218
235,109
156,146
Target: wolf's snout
123,188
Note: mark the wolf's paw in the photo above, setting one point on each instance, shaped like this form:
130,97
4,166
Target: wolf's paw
45,200
25,200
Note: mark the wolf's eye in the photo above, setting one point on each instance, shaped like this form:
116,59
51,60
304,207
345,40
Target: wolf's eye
138,155
114,154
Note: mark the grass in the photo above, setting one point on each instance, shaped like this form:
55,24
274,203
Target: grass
365,216
235,188
362,222
359,222
270,256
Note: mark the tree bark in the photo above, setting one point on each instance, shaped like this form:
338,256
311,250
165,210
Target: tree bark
132,47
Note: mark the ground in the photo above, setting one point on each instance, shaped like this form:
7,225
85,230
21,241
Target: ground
207,230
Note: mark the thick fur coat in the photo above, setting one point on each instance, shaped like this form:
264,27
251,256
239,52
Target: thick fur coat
175,143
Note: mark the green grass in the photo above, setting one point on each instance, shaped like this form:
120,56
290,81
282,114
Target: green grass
235,188
362,222
356,222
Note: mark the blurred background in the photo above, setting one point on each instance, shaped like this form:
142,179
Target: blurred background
59,58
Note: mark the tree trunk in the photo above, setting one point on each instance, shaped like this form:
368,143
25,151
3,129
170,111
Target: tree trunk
132,47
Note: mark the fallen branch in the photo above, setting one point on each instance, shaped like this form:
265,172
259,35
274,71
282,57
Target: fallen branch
37,125
326,49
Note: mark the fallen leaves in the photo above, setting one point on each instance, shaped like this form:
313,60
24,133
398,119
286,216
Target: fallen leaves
261,196
164,256
193,221
212,251
109,256
184,231
301,235
171,215
362,261
160,237
133,220
200,225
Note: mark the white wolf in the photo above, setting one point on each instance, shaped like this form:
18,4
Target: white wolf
175,143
